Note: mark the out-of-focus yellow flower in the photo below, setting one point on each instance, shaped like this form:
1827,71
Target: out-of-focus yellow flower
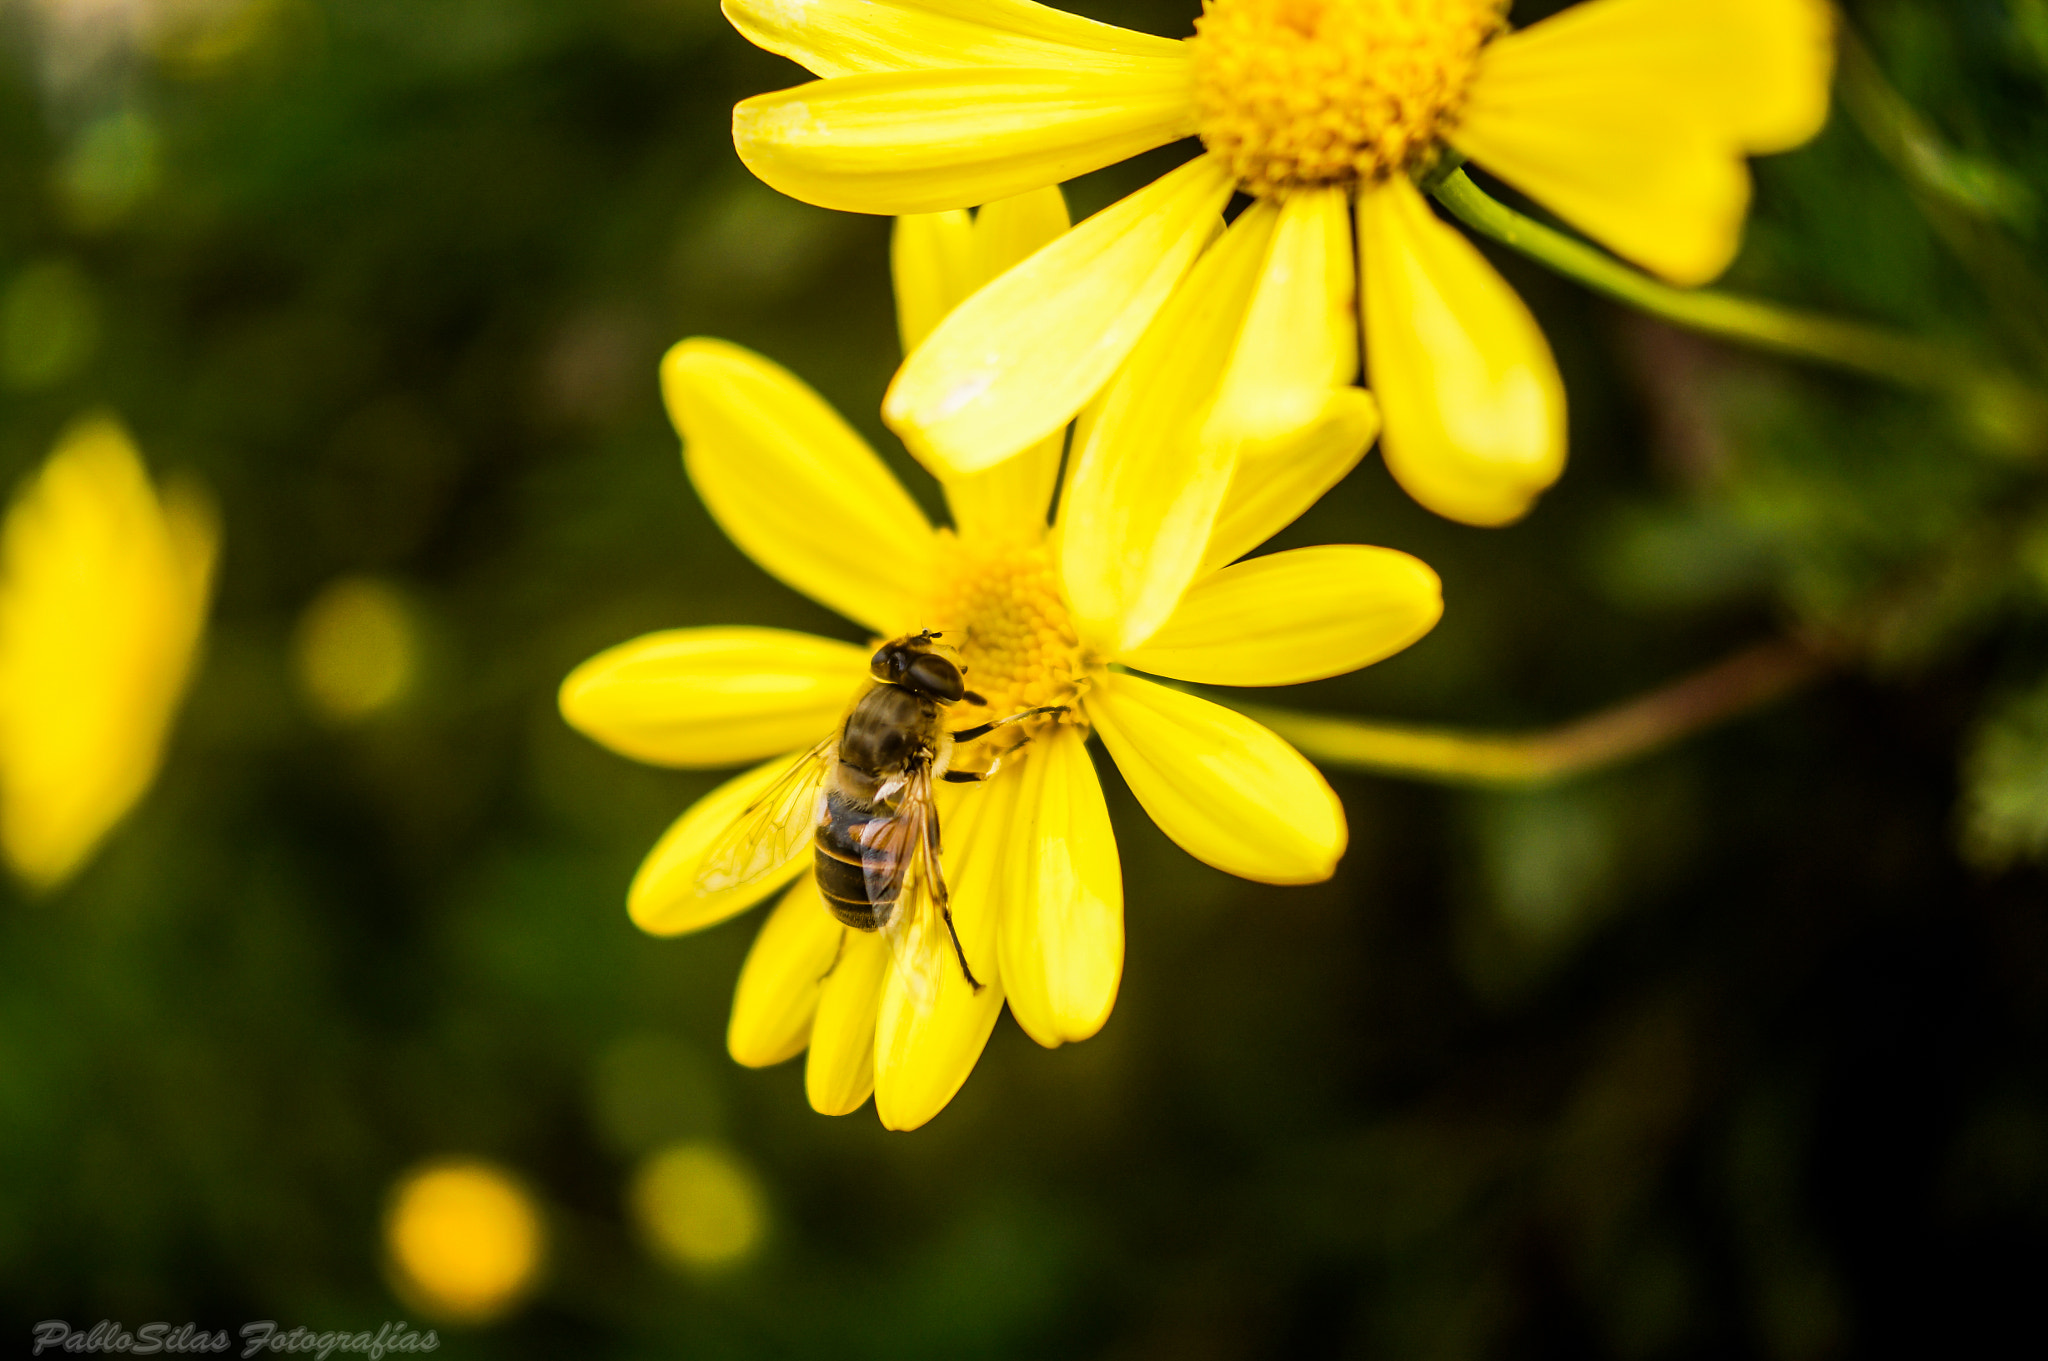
1631,118
699,1208
1140,572
103,595
464,1240
356,650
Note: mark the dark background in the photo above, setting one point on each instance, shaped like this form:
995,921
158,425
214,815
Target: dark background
1731,1052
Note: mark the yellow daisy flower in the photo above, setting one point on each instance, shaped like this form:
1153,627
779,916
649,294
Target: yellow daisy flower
1041,615
1630,118
103,595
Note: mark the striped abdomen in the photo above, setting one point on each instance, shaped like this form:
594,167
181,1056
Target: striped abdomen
842,877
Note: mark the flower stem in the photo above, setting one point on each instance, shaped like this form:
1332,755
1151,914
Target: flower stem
1747,680
1863,349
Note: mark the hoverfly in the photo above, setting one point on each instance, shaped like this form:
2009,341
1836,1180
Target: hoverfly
863,797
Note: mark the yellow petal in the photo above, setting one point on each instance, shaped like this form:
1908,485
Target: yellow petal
1295,616
713,696
924,1053
1269,491
841,1069
1062,933
939,259
795,487
780,982
1300,335
1473,404
1011,500
1014,363
932,261
1145,486
664,900
1630,117
842,37
1229,791
922,141
1012,230
103,596
1755,72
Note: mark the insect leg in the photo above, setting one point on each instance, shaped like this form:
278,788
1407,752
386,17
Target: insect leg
972,981
969,734
944,896
975,776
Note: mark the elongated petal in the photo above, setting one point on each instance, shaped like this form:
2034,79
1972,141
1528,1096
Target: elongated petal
1014,363
713,696
922,141
794,486
1755,72
939,259
104,588
841,1069
1295,616
1011,500
780,982
932,261
1146,487
1062,933
1010,231
1300,335
924,1054
1269,492
663,900
1630,117
1473,404
1226,789
1651,186
842,37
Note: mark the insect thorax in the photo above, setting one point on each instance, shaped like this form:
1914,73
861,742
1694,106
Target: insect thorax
888,731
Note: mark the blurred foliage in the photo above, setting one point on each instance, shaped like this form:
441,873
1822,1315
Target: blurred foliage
1731,1053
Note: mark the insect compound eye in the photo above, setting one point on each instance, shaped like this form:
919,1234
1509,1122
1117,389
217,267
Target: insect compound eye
889,662
933,675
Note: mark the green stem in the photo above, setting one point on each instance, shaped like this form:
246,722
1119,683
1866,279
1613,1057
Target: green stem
1863,349
1745,681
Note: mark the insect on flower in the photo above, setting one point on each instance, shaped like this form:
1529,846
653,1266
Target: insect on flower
1000,647
868,792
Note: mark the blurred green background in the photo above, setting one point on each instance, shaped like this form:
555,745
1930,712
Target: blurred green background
1741,1050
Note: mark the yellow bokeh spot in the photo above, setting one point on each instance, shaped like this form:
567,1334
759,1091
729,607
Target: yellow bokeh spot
357,650
465,1241
1303,93
699,1208
104,587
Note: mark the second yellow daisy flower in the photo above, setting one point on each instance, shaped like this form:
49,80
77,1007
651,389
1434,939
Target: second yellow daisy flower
1630,118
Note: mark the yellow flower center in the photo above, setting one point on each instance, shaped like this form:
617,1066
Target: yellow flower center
1304,93
999,604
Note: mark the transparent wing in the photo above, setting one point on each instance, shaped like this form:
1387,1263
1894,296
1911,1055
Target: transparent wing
774,829
901,861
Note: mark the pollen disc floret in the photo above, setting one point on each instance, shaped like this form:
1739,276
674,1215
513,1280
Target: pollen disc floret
1000,606
1302,93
